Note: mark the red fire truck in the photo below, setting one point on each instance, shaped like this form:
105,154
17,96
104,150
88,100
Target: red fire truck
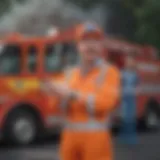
148,68
26,112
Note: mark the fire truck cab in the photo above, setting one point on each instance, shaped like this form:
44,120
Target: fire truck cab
25,111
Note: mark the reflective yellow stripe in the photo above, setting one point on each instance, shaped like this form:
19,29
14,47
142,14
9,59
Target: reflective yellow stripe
23,86
103,72
91,98
31,84
64,103
91,125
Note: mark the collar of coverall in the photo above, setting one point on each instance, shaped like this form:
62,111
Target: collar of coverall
97,64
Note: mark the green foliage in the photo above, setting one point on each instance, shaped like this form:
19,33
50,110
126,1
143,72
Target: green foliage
148,22
146,14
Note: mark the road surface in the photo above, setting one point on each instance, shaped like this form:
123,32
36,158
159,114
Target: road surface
147,149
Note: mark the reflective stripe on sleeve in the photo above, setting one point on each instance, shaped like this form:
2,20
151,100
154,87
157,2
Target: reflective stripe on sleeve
64,102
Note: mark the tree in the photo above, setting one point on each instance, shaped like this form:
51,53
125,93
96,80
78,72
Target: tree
137,20
148,23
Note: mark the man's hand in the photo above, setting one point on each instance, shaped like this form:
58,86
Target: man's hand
66,92
62,89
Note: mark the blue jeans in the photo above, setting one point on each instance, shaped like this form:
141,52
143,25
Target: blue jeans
128,131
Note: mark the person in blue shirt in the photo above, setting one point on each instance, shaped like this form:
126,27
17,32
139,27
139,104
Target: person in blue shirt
128,132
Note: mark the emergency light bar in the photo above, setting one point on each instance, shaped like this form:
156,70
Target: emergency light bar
52,31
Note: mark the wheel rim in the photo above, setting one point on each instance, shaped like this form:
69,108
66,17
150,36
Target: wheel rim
24,130
152,119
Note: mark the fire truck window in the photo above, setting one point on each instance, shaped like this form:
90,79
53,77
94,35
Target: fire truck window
73,56
10,60
32,59
53,58
70,54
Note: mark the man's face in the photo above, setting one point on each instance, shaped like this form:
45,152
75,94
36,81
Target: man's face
90,49
130,63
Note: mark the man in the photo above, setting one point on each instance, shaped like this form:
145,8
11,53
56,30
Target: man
88,97
128,132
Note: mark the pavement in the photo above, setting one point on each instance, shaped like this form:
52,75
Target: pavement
148,148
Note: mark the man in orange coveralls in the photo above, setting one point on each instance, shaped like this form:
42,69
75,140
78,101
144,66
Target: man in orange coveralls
89,96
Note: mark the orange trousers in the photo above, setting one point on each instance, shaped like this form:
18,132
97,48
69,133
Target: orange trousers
86,146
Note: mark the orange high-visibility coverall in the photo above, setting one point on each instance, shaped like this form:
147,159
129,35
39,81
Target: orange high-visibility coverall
86,135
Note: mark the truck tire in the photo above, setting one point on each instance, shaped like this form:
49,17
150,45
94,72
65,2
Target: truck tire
21,127
152,119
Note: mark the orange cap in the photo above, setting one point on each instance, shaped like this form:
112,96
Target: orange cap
89,30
